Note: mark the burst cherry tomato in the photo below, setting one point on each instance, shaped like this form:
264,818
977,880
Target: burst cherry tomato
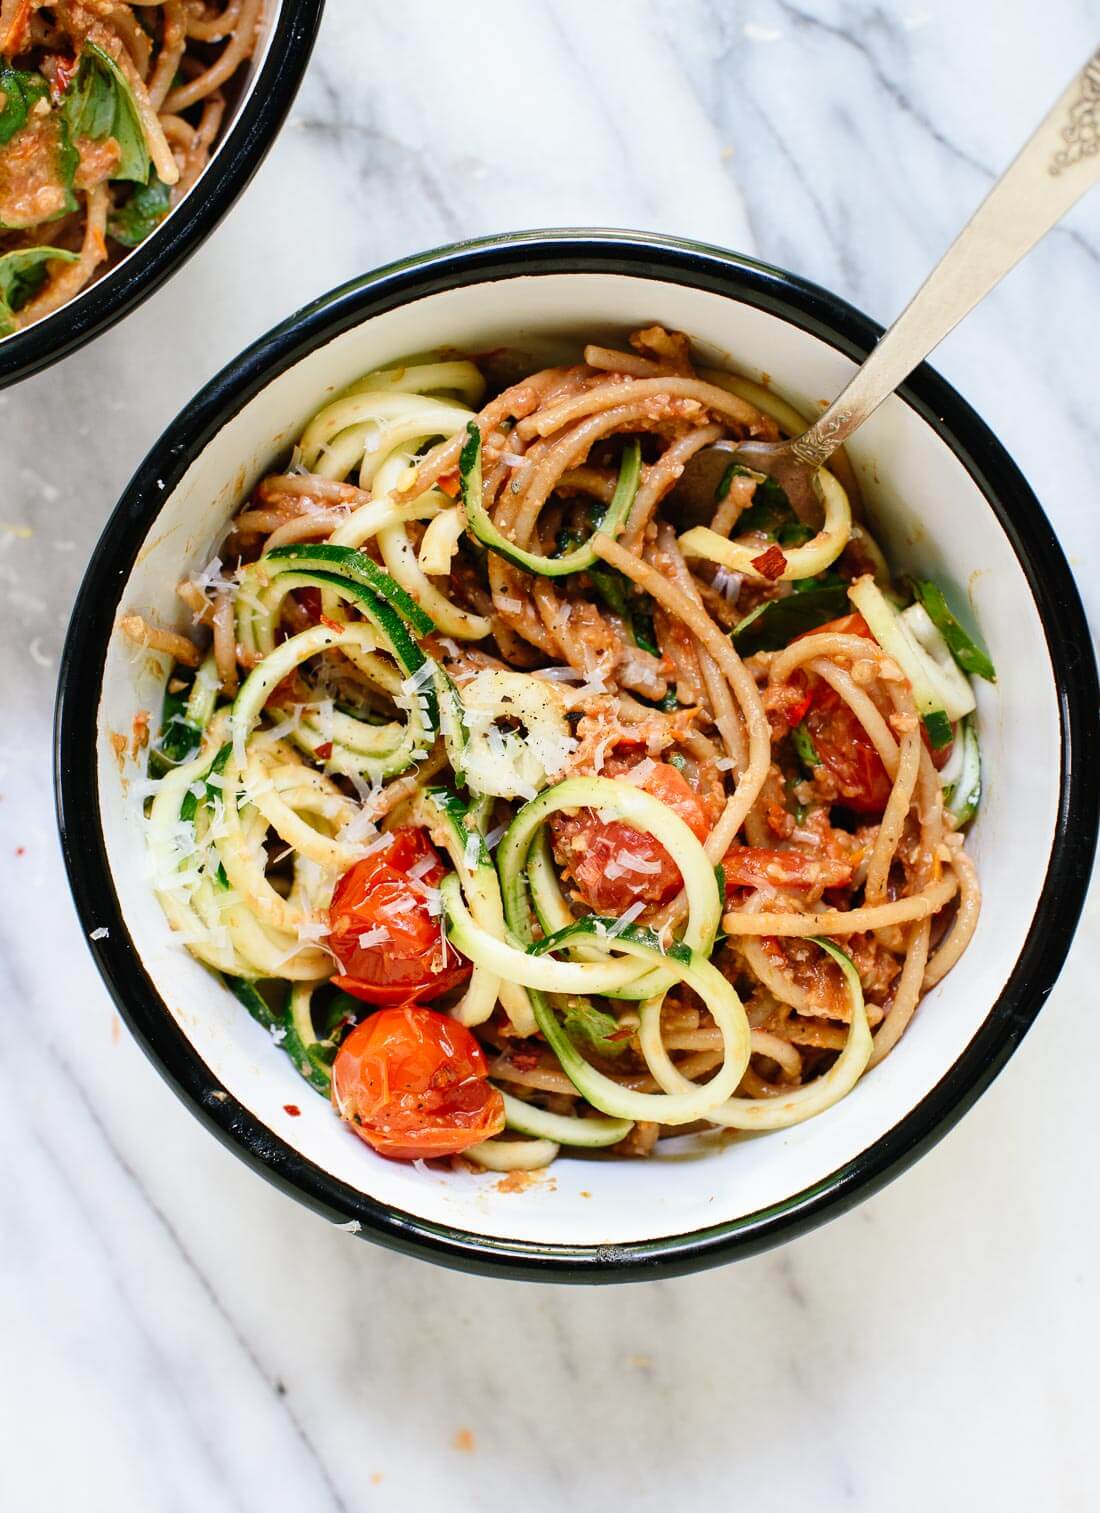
413,1083
846,750
614,865
756,867
388,942
847,625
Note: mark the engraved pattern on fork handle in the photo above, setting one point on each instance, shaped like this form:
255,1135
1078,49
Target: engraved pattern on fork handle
815,446
1082,134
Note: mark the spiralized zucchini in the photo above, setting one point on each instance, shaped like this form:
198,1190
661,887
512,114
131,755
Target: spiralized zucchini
438,783
740,555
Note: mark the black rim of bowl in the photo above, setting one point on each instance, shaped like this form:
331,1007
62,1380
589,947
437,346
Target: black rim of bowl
753,283
238,155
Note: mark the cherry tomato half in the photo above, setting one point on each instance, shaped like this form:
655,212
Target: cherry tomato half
846,750
386,892
413,1083
614,865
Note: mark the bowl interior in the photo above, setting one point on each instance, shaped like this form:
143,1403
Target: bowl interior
929,515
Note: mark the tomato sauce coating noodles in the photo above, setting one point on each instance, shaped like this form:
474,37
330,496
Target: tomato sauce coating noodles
526,813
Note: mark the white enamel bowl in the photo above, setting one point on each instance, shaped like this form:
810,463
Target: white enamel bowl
945,500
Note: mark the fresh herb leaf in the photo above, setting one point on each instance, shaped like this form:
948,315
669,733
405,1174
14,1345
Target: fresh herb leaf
798,809
19,92
967,653
99,104
720,879
616,592
775,623
22,274
735,470
823,580
585,1024
677,761
612,589
804,747
645,637
669,702
795,533
142,213
180,738
769,511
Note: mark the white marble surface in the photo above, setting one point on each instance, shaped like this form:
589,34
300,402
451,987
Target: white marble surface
176,1335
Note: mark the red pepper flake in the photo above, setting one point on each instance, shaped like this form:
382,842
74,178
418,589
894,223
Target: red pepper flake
324,751
771,564
293,1110
449,484
621,1034
62,76
20,850
332,624
524,1061
796,713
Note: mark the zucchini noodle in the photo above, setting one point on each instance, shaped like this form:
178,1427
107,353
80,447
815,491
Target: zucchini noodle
469,754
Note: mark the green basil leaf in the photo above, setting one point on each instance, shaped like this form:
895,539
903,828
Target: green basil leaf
142,213
966,651
799,810
22,274
99,104
19,92
735,470
769,511
585,1024
804,747
775,623
645,637
612,588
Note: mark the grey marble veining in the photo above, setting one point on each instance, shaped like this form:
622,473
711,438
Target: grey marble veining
176,1334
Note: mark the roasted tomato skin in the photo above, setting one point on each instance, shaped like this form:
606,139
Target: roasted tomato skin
757,867
413,1084
845,748
414,962
847,625
589,847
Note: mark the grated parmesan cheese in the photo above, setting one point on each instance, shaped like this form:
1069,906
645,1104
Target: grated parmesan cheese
422,675
627,917
629,861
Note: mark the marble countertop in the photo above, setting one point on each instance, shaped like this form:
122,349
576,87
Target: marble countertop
179,1336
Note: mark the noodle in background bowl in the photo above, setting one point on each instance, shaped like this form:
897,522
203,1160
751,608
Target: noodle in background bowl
945,500
260,96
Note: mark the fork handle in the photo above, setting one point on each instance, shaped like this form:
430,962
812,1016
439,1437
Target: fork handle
1053,170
